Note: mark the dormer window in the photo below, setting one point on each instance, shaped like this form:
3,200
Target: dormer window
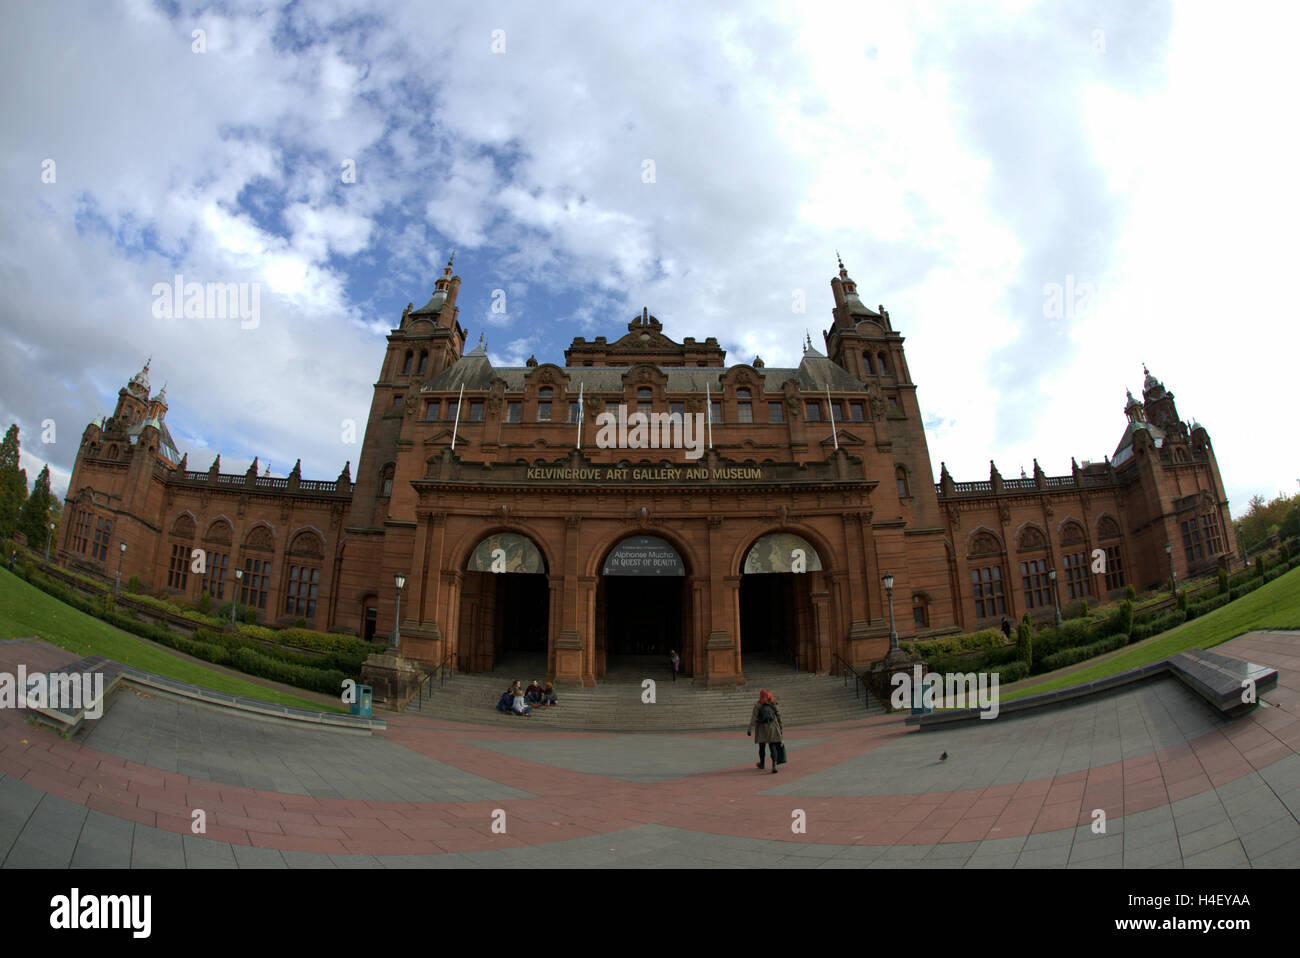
744,408
544,403
645,400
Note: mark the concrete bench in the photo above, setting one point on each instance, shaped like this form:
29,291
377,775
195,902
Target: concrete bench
1214,677
64,717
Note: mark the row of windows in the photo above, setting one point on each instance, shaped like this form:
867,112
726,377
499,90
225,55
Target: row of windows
986,582
437,410
99,546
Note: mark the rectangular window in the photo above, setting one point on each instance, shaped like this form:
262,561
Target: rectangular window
745,412
397,402
645,407
677,409
858,413
300,591
1192,542
1037,587
453,406
543,412
812,411
775,412
178,568
1078,583
431,410
103,530
214,582
715,411
1114,569
514,411
893,404
476,410
1210,527
987,587
257,574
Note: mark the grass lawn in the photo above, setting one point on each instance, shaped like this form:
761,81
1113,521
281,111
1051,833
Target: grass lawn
1274,606
25,610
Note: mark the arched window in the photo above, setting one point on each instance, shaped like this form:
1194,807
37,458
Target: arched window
406,366
884,364
386,482
255,584
300,591
900,477
984,557
178,568
645,400
216,542
866,362
1107,528
1030,539
424,361
544,404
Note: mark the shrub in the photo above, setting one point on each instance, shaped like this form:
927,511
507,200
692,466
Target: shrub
1182,600
300,623
1223,581
205,603
1081,653
1025,645
1131,593
1259,566
249,615
133,585
1011,672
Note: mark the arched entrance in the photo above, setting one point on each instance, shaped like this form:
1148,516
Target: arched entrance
643,610
504,605
776,599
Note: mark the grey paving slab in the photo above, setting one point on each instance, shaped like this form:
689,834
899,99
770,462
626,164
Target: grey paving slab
982,754
250,856
104,842
1153,855
1096,847
205,853
1226,855
50,836
1287,856
157,848
237,750
17,802
1047,857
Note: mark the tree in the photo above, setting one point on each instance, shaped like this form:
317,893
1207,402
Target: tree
35,520
13,484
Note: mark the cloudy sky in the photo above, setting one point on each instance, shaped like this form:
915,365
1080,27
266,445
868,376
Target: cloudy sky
968,161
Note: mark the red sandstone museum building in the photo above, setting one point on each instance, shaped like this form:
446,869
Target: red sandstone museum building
768,530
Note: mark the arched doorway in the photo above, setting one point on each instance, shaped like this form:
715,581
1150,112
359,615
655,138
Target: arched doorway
505,605
642,610
776,600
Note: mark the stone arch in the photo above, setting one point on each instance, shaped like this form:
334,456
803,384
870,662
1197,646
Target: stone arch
772,553
463,550
1071,532
220,531
308,541
1108,528
596,558
261,537
1030,537
983,541
184,526
760,529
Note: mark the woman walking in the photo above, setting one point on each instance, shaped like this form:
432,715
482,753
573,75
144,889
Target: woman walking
765,726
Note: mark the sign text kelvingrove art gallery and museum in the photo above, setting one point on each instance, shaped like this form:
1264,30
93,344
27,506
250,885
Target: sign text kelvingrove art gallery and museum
644,496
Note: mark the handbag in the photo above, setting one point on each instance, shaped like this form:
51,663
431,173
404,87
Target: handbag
780,752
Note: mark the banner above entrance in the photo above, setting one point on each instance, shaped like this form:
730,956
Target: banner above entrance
781,552
644,555
506,552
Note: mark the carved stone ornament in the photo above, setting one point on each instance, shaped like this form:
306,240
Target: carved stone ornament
643,516
503,512
1004,512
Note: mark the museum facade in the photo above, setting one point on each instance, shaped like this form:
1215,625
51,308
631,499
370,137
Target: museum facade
645,497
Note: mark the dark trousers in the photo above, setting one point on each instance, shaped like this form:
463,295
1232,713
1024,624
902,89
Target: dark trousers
771,747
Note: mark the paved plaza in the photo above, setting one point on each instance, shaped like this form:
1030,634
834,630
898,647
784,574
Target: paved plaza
1178,784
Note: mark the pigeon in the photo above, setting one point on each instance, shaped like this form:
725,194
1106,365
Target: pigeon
943,757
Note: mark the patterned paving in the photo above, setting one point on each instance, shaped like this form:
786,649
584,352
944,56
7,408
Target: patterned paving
1178,785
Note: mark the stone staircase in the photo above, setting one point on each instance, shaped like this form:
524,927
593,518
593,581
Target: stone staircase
615,704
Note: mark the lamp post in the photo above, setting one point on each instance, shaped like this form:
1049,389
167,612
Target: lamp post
234,596
888,580
48,540
395,647
1056,600
1173,576
117,586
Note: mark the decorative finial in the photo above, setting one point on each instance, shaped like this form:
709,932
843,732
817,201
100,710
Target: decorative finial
480,339
450,259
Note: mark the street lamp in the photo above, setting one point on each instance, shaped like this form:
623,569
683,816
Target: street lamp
117,586
1056,601
234,596
888,580
1173,576
396,645
48,539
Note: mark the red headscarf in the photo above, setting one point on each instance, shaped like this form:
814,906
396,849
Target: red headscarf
765,698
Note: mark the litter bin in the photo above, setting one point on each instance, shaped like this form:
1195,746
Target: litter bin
362,704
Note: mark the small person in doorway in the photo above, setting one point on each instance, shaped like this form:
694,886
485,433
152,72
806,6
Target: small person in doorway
765,726
674,662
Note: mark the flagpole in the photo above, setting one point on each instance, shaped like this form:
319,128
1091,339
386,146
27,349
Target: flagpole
580,385
708,405
831,406
456,425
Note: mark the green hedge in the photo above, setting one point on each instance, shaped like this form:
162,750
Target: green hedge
954,644
1080,653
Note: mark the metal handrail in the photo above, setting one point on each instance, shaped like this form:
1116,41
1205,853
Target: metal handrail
444,671
843,668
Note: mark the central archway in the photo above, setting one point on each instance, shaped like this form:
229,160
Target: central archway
776,600
643,610
504,605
